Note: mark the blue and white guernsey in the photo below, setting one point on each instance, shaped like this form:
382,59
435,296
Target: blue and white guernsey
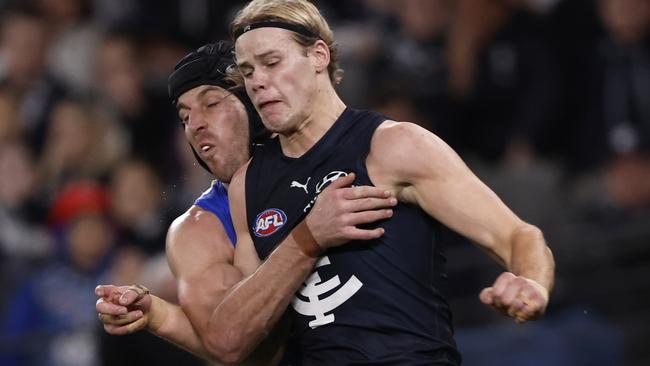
215,200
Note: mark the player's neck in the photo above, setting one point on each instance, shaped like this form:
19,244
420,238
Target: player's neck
325,110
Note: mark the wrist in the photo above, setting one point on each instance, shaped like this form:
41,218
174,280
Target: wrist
157,314
305,240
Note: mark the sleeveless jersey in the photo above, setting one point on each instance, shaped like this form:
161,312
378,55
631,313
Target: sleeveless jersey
215,200
375,302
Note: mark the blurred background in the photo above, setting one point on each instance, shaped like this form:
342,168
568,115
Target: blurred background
548,101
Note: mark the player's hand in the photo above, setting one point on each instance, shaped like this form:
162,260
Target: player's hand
123,309
516,296
340,209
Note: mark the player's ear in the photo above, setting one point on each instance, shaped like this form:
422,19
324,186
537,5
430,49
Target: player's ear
319,52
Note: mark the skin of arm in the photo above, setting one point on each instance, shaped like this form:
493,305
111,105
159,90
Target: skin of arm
236,315
200,255
423,170
251,308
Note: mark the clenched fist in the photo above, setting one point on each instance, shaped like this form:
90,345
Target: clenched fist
124,309
516,296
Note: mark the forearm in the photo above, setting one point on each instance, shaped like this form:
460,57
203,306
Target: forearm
170,322
530,257
251,309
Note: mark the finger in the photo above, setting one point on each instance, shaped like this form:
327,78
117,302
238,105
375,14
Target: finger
532,309
486,296
526,298
129,297
512,290
127,318
344,181
367,217
534,303
515,308
137,325
354,233
353,193
120,319
115,329
125,329
534,295
99,290
104,290
501,284
521,318
528,312
106,307
371,203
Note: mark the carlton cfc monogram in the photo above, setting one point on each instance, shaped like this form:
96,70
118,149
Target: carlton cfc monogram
314,288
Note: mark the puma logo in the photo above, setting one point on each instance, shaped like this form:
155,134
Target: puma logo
296,184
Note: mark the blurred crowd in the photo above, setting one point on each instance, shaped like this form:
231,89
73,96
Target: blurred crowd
548,101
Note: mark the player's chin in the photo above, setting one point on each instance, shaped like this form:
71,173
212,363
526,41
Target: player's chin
277,122
225,172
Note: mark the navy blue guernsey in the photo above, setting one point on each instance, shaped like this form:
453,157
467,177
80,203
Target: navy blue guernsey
375,302
215,200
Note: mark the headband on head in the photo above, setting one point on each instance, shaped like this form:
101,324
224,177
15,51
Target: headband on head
275,24
208,65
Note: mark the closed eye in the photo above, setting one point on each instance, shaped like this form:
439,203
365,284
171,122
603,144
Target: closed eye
213,103
246,72
183,117
272,61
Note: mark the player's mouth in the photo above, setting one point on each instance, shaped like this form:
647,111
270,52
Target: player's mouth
267,103
205,148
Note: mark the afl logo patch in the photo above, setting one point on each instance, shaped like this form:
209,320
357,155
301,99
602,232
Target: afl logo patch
269,221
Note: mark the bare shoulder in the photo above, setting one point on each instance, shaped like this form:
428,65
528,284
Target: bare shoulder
401,152
197,231
405,137
200,255
394,129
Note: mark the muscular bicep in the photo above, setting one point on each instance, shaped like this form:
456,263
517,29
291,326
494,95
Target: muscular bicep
427,172
200,255
246,258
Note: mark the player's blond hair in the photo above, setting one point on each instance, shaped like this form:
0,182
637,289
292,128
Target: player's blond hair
296,12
